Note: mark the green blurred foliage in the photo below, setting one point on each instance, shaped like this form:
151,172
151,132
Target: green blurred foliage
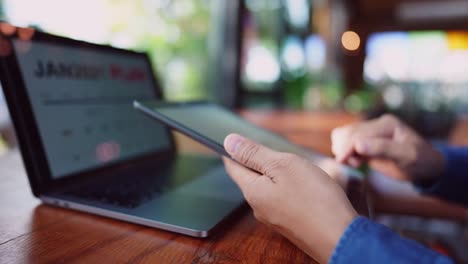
175,35
334,92
313,91
295,90
366,99
360,101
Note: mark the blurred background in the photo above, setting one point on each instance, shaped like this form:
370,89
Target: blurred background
367,57
364,57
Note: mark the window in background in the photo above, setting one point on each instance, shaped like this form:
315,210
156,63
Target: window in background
426,70
421,77
174,33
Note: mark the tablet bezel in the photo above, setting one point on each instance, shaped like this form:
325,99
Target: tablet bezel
144,108
24,121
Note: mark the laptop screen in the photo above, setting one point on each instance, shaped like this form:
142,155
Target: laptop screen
82,102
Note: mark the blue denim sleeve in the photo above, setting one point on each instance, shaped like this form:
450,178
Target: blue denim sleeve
365,241
452,185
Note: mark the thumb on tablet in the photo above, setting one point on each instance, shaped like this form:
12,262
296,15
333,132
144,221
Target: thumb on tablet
248,153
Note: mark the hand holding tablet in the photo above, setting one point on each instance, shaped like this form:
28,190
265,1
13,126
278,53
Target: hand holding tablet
274,182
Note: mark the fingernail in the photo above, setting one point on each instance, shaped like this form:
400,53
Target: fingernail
233,142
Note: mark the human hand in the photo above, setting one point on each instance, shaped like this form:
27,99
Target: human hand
387,138
291,195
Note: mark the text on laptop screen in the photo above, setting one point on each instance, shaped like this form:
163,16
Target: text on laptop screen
82,102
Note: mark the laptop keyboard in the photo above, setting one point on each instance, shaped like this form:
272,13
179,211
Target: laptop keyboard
133,188
124,190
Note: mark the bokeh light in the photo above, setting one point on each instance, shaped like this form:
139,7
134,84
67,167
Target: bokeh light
293,55
316,51
262,65
350,40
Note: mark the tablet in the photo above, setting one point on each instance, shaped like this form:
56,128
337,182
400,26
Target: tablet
209,124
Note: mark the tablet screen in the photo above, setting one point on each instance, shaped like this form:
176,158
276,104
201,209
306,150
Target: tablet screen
207,122
81,99
215,123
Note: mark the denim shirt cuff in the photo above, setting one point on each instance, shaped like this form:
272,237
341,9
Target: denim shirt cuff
347,238
451,184
365,241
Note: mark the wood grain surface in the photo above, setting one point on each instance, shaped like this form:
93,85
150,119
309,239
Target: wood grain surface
34,233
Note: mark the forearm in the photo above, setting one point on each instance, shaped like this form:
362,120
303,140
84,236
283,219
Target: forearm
367,242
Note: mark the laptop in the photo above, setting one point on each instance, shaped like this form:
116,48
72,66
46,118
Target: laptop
85,147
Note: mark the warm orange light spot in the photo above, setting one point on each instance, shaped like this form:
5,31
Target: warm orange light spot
7,29
350,40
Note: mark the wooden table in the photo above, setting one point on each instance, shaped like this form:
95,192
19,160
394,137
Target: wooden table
34,233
